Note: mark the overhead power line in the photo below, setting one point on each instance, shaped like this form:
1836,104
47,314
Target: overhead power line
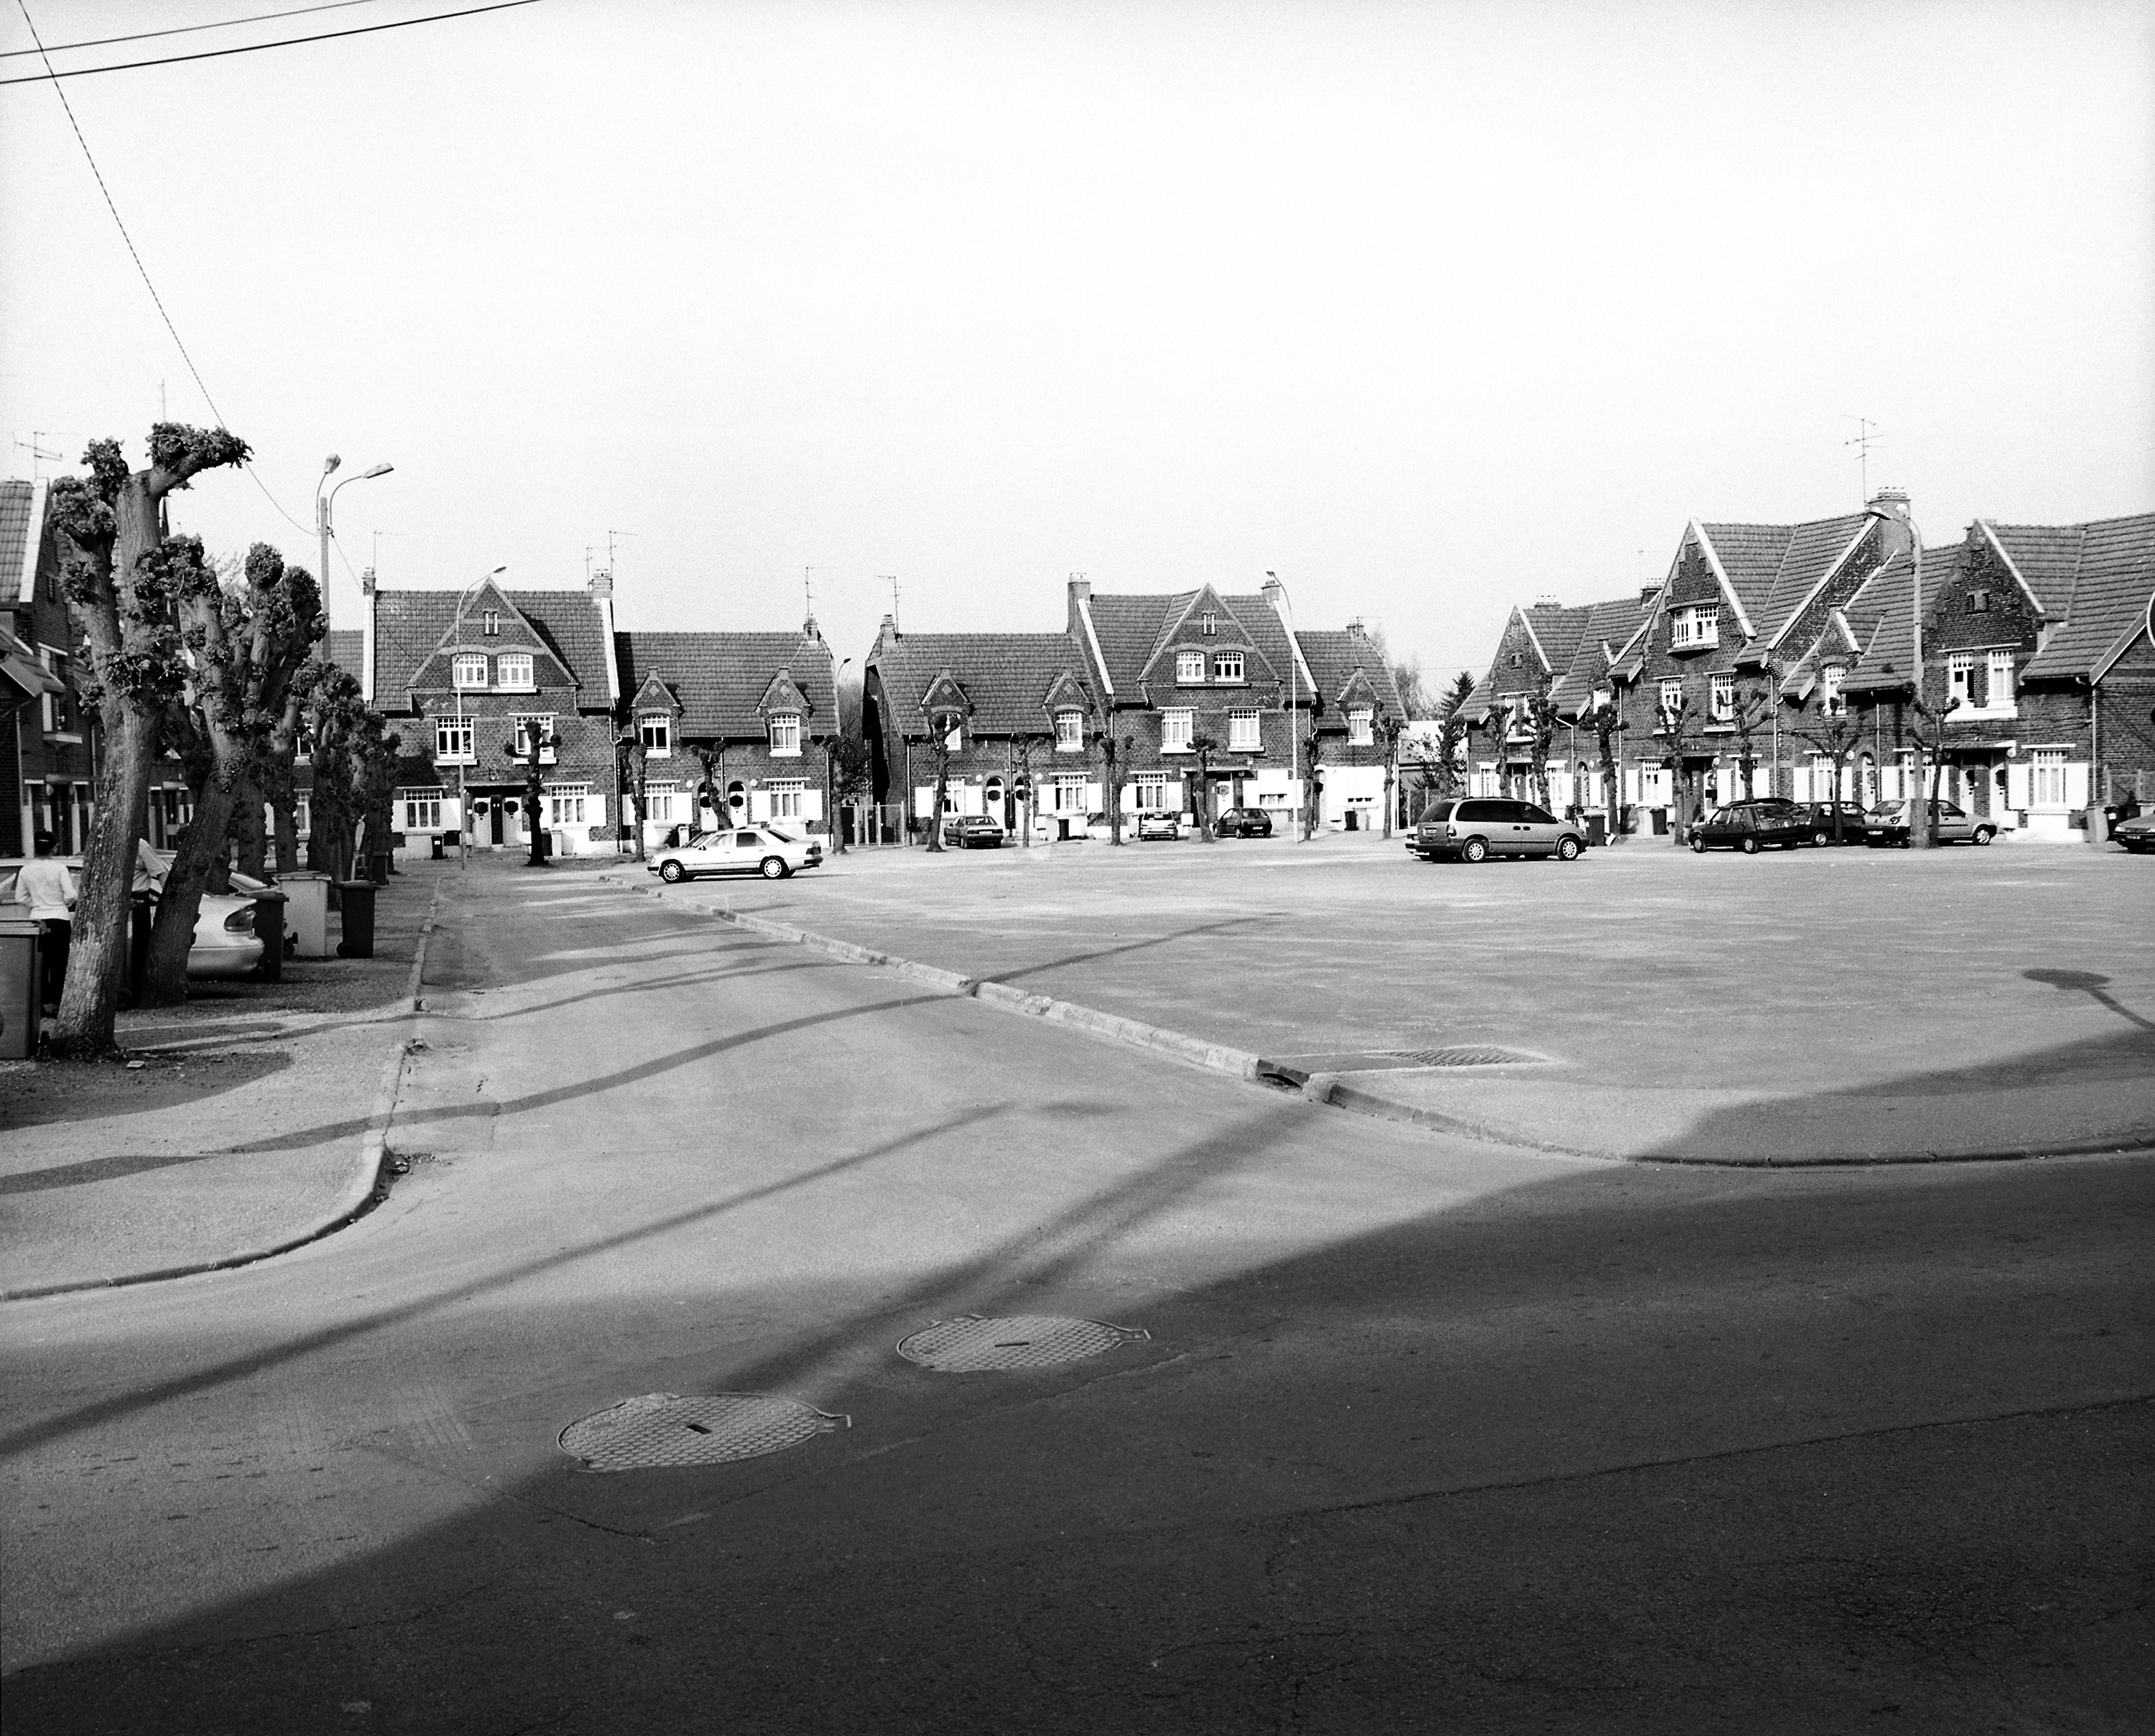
256,48
135,255
259,17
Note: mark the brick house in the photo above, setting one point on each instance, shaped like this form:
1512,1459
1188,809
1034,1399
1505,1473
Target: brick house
464,676
734,725
1534,654
1023,714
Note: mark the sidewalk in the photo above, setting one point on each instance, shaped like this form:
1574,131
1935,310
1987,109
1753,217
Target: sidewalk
195,1157
1644,1003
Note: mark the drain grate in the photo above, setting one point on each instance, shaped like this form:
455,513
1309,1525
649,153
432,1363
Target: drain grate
1470,1055
663,1428
972,1344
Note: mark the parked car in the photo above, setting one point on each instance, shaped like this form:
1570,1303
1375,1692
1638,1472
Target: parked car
974,832
225,943
1158,826
2136,834
1485,825
1821,815
1244,823
1763,823
1888,825
738,850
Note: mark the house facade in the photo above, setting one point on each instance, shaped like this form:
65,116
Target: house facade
733,727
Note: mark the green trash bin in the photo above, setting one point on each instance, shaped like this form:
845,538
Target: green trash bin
356,900
21,1003
269,930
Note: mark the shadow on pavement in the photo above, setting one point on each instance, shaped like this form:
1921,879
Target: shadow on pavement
65,1091
1635,1451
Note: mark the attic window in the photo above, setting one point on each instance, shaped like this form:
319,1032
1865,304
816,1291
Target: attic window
1069,731
1830,702
1208,622
655,731
1978,602
1358,727
490,623
1190,667
513,668
1519,660
785,732
1694,627
1227,666
469,671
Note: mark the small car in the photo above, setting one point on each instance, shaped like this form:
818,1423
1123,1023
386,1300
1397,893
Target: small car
1159,826
1821,815
1885,827
1481,827
225,945
2136,834
974,832
1244,823
1765,822
737,850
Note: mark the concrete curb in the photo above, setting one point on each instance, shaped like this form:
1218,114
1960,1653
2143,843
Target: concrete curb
359,1188
1331,1089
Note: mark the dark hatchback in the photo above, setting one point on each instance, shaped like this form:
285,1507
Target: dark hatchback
1821,815
1754,826
1244,823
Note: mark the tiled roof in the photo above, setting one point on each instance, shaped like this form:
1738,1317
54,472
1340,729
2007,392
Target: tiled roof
1772,568
720,677
344,647
15,532
1611,624
2112,582
1559,630
408,624
1333,656
1880,613
1006,676
2048,557
1130,628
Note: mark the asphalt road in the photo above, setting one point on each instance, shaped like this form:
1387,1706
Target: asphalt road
1425,1435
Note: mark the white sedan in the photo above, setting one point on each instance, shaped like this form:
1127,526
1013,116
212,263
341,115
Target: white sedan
738,850
225,943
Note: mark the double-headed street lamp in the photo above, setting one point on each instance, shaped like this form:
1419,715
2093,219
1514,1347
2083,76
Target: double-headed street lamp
324,503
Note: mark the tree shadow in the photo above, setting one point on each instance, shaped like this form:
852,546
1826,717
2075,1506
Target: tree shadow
87,1091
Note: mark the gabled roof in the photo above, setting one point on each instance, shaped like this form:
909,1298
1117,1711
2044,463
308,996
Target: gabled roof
1133,628
346,647
1608,628
2045,558
2113,575
1772,568
466,631
720,680
1881,615
1182,628
21,529
1006,677
411,625
1557,632
1336,656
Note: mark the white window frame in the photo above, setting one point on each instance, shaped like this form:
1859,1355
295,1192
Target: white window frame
1189,668
658,800
1361,726
1070,792
1245,731
513,672
2046,778
1696,626
421,808
489,623
1960,679
786,795
452,740
785,734
523,721
1178,728
1721,698
1832,702
659,725
1151,793
564,804
2001,690
1227,666
1069,731
1671,684
468,671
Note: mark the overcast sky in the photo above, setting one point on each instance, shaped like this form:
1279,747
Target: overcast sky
1432,309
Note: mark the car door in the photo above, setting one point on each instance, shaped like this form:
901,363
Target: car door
1536,829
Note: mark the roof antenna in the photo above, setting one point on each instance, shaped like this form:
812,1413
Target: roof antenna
893,578
1863,441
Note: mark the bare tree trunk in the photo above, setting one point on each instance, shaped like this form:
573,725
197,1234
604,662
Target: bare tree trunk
165,983
97,961
248,829
286,830
942,790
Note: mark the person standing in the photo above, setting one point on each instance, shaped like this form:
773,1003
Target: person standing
47,886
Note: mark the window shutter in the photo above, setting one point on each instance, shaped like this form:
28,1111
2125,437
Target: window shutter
1804,785
2016,784
2076,784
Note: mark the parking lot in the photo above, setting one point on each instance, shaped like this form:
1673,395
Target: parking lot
2007,991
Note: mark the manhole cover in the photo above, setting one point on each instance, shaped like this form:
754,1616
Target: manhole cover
971,1344
663,1428
1470,1055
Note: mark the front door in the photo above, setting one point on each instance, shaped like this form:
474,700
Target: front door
494,820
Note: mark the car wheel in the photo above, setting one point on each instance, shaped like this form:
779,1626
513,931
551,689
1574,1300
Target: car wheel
1983,834
1819,840
1905,843
1698,845
774,867
1567,849
1750,846
672,873
1474,849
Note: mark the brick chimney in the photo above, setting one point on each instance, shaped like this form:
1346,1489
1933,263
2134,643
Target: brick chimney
367,581
1271,590
1891,506
602,582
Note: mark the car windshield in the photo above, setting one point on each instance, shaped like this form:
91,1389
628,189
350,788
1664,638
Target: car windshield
783,837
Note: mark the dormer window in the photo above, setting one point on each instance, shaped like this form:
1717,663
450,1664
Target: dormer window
469,670
655,731
1069,731
1830,702
490,623
785,732
1359,733
1227,666
1721,696
1208,623
1690,629
513,669
1190,667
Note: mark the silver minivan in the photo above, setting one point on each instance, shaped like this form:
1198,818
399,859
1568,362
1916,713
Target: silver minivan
1476,826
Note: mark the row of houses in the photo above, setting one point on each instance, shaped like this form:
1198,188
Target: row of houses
1784,660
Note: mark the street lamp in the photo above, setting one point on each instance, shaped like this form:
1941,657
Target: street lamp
1295,829
324,503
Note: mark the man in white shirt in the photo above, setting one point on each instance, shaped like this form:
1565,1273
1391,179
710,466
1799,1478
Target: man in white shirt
48,888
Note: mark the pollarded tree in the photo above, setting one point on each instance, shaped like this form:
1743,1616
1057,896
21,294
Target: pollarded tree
110,526
848,767
246,642
279,785
1389,731
1204,747
943,723
1541,721
1675,728
1605,722
1111,783
632,761
1835,737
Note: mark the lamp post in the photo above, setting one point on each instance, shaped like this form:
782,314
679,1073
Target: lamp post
324,505
1295,829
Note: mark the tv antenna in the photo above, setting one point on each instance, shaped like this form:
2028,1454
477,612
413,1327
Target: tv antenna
37,445
1866,437
892,579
